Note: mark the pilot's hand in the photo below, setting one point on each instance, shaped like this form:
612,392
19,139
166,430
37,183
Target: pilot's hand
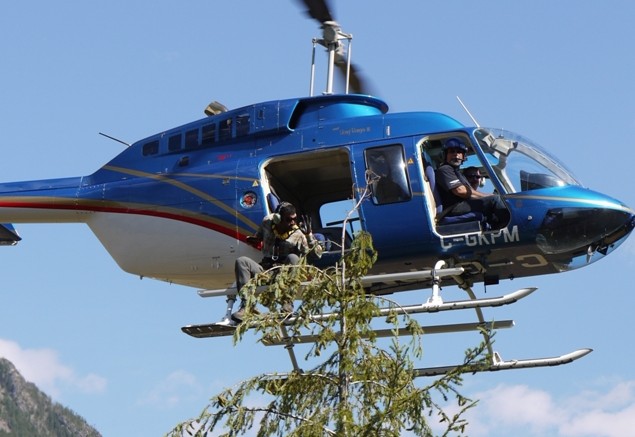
305,225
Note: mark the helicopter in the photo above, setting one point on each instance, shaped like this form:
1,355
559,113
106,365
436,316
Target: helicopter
192,194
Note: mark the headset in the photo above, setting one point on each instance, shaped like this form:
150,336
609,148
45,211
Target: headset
283,207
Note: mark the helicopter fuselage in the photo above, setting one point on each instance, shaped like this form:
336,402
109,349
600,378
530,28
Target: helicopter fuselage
178,206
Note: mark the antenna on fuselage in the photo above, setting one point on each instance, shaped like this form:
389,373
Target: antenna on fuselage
114,139
468,112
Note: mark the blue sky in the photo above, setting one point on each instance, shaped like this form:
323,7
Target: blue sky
108,345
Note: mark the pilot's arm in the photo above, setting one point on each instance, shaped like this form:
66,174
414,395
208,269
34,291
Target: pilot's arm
462,191
465,192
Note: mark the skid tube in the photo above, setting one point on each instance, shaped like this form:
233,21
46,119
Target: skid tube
437,306
433,304
211,329
500,364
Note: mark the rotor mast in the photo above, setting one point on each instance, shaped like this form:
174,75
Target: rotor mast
332,38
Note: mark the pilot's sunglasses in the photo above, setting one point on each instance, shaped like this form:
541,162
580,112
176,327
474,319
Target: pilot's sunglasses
290,219
473,176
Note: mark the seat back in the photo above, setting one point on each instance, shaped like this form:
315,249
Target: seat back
273,201
332,238
432,182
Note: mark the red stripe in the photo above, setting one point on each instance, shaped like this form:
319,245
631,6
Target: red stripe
233,233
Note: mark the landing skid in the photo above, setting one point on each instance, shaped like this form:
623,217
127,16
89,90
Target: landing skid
499,364
403,281
222,329
210,330
434,306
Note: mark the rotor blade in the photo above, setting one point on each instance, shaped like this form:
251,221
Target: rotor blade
357,83
318,9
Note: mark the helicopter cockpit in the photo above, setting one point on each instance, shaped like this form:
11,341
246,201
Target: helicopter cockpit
519,164
507,164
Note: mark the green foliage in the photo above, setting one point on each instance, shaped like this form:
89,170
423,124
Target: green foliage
358,387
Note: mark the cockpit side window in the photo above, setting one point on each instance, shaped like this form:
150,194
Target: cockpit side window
450,213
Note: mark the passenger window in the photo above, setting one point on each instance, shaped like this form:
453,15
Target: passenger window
332,216
191,139
389,178
242,125
174,143
151,148
225,130
209,134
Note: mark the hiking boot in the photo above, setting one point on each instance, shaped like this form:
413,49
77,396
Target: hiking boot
238,315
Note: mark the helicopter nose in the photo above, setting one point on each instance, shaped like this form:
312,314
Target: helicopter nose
577,230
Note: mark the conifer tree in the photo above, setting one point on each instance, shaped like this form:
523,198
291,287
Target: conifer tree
357,384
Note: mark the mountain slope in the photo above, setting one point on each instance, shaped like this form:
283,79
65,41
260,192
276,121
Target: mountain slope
26,411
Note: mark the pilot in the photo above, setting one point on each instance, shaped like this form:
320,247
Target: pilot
457,195
283,242
473,176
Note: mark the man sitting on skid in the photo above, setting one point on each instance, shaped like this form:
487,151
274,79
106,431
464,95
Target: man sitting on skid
283,242
458,197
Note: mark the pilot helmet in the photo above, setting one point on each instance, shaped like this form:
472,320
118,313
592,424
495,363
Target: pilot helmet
454,143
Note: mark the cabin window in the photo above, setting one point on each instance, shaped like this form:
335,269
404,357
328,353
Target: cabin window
225,130
191,139
389,178
151,148
174,143
242,125
331,215
209,134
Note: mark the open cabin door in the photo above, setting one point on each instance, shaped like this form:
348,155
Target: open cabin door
318,183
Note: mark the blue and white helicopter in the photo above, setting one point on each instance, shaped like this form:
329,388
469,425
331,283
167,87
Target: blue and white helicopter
179,205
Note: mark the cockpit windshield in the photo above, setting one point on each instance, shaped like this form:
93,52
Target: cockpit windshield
519,164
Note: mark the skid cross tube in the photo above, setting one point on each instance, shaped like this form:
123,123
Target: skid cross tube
413,277
383,333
